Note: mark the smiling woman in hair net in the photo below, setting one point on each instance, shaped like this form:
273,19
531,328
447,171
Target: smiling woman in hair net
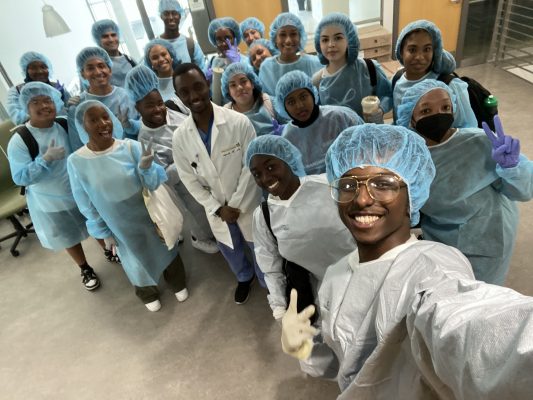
487,174
405,319
35,67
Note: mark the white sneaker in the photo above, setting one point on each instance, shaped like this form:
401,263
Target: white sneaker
207,246
153,306
182,295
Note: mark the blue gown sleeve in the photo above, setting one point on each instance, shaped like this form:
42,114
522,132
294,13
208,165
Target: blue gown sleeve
383,88
464,116
516,183
24,170
16,113
73,135
199,57
151,177
96,226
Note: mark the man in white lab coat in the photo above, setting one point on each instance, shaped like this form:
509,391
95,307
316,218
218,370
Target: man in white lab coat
209,149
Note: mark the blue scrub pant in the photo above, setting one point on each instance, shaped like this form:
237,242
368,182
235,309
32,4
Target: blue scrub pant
236,257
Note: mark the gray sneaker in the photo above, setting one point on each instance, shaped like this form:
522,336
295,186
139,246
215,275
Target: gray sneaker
207,246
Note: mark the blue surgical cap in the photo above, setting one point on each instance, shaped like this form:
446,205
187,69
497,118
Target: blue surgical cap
412,96
252,23
239,68
443,62
31,56
82,108
221,23
394,148
33,89
90,52
167,45
170,5
350,33
101,27
287,19
140,81
279,147
288,83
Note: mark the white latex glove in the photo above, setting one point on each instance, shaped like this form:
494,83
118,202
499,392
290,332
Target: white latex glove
73,101
147,156
122,116
110,242
296,330
54,153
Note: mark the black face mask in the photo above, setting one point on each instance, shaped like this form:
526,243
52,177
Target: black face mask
435,126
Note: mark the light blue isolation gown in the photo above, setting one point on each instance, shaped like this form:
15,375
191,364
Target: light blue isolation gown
54,213
472,202
261,116
463,116
314,140
348,86
272,70
107,186
180,47
121,66
118,100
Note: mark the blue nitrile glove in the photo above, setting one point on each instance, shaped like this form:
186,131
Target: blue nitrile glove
505,149
277,128
209,74
232,54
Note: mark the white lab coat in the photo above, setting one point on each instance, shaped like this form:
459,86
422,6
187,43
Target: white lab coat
414,324
223,177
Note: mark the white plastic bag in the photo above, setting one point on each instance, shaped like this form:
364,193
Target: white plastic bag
164,213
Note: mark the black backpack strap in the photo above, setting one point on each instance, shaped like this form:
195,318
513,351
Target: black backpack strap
397,76
173,106
266,215
128,59
447,78
372,72
31,144
190,47
19,87
62,122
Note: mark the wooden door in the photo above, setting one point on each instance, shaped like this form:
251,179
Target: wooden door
446,14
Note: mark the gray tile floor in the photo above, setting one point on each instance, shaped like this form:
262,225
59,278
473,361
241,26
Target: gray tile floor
59,342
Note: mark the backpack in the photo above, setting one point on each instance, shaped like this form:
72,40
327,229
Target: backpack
31,143
371,72
297,277
477,94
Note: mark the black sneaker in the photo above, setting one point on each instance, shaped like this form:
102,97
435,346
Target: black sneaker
243,291
112,257
89,279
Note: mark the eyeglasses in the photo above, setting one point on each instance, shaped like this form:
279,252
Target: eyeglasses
381,187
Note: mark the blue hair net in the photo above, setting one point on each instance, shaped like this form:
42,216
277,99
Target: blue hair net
103,26
90,52
394,148
350,32
279,147
82,108
287,19
412,96
239,68
31,56
288,83
170,5
220,23
443,62
252,23
33,89
167,45
140,80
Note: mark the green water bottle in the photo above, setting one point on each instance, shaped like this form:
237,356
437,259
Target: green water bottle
491,107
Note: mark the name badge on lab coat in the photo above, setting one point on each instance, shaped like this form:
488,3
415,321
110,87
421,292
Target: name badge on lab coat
230,150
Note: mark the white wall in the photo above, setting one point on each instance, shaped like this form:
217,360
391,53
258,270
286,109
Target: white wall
21,30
